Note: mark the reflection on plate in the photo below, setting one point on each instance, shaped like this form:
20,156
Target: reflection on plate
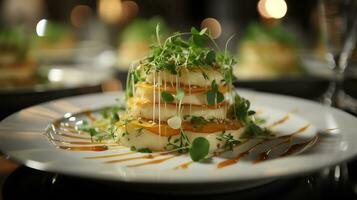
42,137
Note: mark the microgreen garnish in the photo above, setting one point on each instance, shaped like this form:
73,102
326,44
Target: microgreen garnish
260,121
194,50
158,34
181,144
114,118
205,76
125,133
167,97
228,139
210,57
89,128
199,149
145,150
85,126
180,94
198,121
240,110
199,39
177,52
111,113
133,77
139,131
213,95
92,132
104,127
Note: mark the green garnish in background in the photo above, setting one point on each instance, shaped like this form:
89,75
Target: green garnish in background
143,30
275,33
14,39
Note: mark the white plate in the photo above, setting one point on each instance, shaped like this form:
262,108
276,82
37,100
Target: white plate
23,137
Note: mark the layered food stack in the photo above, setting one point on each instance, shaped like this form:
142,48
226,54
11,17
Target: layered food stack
181,92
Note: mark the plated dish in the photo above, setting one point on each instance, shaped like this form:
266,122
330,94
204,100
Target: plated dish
24,137
17,65
268,52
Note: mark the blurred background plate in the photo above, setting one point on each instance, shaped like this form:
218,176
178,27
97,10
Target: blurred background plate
54,82
310,87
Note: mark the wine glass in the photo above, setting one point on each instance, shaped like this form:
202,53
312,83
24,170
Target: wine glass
339,29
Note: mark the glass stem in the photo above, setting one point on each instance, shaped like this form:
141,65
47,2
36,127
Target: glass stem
331,97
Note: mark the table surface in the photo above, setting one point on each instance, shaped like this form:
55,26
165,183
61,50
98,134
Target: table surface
6,168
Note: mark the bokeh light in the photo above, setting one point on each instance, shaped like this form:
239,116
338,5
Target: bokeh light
213,26
261,9
272,8
129,10
41,27
80,15
110,10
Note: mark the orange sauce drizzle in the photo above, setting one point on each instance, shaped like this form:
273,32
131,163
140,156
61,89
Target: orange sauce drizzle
264,155
90,115
72,131
186,88
158,161
291,150
290,136
295,147
111,155
261,157
280,121
84,148
236,159
331,129
184,165
72,136
148,156
78,142
164,130
145,102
